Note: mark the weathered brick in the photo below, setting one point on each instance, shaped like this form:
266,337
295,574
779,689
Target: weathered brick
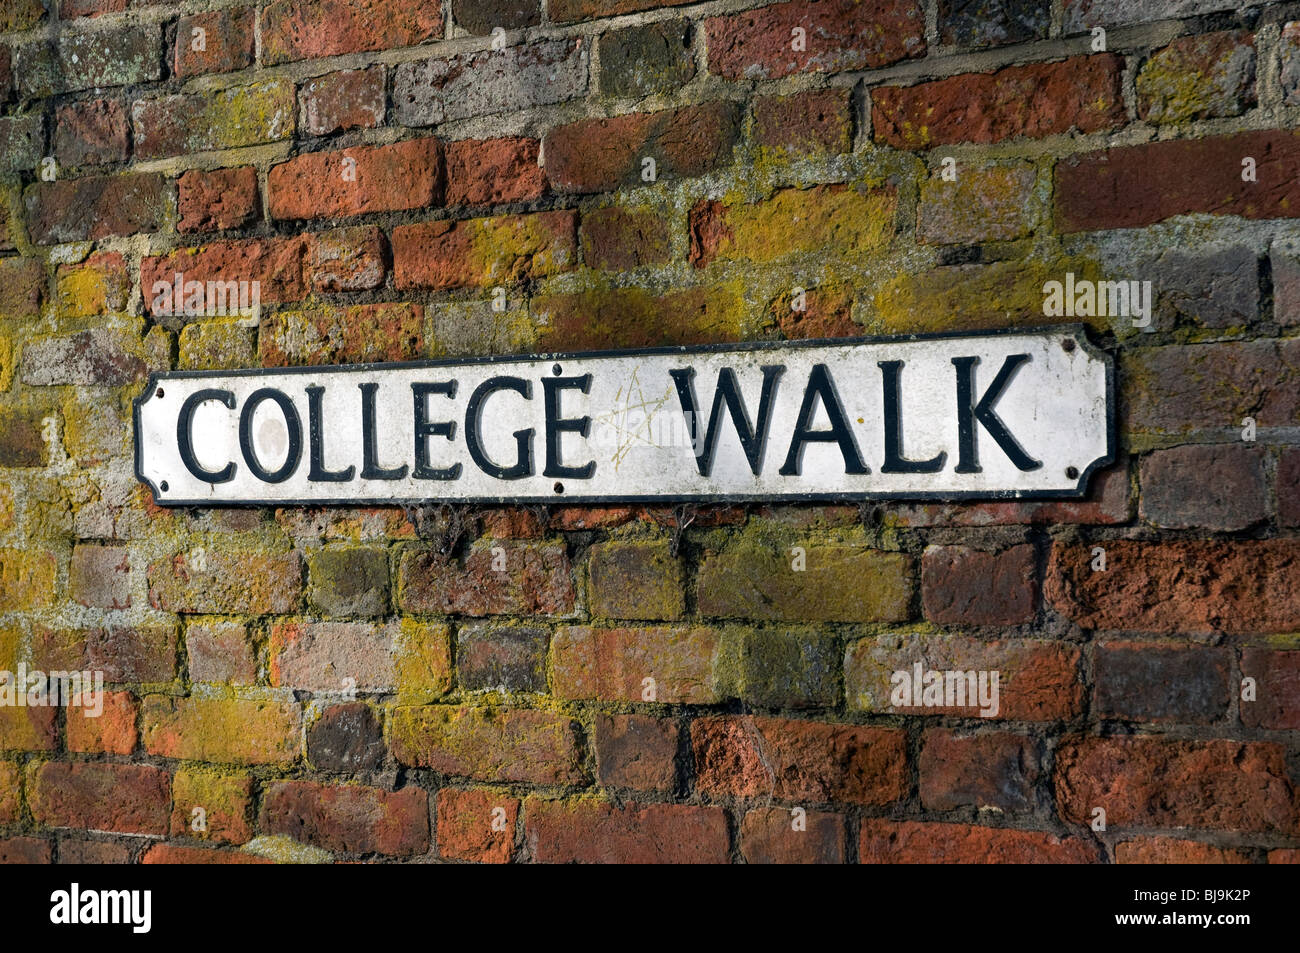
984,23
536,580
219,652
621,239
476,825
349,259
240,116
1155,782
494,171
1276,705
1039,99
404,175
634,317
963,586
1198,387
636,751
99,356
481,17
26,576
614,664
1213,287
175,854
348,818
209,805
328,334
348,99
217,42
125,798
132,653
840,219
348,582
95,207
22,287
998,771
22,142
347,738
217,200
71,9
839,583
913,842
85,851
217,345
798,761
89,60
1189,587
1037,680
221,730
1198,77
100,576
1216,488
636,580
1080,15
502,658
768,836
1155,681
839,35
21,15
989,203
226,580
1135,186
1171,850
534,747
276,264
570,10
1288,488
779,668
559,832
334,656
11,784
505,250
646,59
817,121
25,850
1289,55
98,285
602,155
28,728
428,92
308,29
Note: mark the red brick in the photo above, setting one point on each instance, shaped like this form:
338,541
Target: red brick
308,29
1135,186
590,832
92,132
768,836
27,728
505,250
820,120
72,9
349,259
348,99
223,800
226,581
348,818
133,653
113,731
1277,689
218,200
1038,680
1157,681
100,284
219,652
353,334
505,658
494,171
535,747
997,771
798,761
1171,850
1189,587
227,41
1288,488
636,751
401,176
920,842
613,664
840,34
321,656
124,798
476,825
222,730
481,17
620,239
275,263
99,577
1215,488
985,203
25,850
827,313
11,784
1198,77
569,10
22,286
175,854
100,356
963,586
602,155
537,581
632,579
209,121
1040,99
86,851
1284,856
95,207
1156,782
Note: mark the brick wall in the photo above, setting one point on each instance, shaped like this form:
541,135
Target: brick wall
651,684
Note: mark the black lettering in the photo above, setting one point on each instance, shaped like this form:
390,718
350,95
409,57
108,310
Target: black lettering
424,429
523,465
968,412
752,439
316,472
894,459
185,436
370,468
556,425
820,385
292,423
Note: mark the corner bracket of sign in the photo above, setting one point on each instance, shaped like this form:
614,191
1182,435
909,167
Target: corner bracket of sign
1070,336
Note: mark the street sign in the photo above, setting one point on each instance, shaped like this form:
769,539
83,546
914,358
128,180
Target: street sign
962,416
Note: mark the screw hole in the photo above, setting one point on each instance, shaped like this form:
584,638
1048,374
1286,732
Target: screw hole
160,391
1072,473
559,488
1067,345
164,486
555,369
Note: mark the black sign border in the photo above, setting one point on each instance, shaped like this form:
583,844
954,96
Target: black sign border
1077,331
